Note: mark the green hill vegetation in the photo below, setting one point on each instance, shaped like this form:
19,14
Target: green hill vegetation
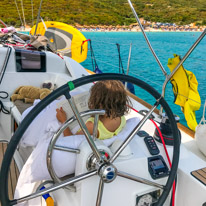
104,12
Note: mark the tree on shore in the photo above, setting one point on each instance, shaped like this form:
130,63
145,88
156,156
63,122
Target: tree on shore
107,12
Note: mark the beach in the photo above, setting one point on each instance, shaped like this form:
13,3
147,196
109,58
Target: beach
147,25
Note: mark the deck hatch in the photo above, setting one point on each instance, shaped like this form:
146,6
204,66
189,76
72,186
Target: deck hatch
30,61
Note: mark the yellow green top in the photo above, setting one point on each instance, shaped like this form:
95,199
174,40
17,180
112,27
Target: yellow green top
106,134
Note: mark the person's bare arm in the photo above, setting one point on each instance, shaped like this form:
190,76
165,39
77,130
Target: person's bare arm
90,127
62,117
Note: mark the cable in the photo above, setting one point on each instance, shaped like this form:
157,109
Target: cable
149,80
18,12
120,59
2,108
94,63
168,158
32,13
22,7
5,63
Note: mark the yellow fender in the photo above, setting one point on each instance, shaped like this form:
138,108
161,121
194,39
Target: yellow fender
185,90
49,201
64,39
48,198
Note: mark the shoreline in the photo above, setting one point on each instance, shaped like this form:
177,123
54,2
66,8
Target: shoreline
148,27
121,30
134,27
140,31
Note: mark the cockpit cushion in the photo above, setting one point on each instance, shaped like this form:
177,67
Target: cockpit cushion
200,136
22,106
35,168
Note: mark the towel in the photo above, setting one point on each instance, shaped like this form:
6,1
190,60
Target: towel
35,168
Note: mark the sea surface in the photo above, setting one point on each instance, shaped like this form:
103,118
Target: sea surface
143,64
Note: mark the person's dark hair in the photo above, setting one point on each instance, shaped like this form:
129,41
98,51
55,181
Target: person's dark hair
111,96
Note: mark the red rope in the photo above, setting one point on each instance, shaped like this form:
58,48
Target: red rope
85,41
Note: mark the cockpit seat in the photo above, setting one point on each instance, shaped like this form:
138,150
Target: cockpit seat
17,110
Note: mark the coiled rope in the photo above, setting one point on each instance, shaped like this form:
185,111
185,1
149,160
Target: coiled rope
2,108
5,94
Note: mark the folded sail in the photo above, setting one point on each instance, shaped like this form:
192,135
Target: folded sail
63,39
185,91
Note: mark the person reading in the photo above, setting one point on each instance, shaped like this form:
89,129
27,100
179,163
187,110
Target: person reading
107,95
111,96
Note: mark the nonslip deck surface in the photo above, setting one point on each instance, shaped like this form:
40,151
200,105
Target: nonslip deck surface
13,173
200,175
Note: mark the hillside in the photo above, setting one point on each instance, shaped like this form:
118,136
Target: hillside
105,12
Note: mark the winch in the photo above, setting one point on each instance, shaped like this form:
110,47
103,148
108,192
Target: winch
166,130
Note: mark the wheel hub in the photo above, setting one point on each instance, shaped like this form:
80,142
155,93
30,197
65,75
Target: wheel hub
92,162
108,172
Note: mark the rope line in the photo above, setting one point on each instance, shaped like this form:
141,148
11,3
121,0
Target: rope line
204,60
32,13
22,7
149,80
2,108
107,64
120,59
203,120
106,42
146,80
18,12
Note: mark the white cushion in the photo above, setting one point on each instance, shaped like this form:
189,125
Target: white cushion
37,129
200,136
35,168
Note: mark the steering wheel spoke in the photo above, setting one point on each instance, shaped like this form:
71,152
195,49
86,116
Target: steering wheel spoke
66,149
139,179
54,187
95,130
55,137
100,192
133,132
85,130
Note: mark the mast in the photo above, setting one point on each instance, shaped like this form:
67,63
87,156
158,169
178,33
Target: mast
32,13
22,7
18,12
37,21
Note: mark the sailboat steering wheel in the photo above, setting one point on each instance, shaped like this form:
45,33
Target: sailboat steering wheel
103,165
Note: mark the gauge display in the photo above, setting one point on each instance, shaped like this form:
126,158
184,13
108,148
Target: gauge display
145,200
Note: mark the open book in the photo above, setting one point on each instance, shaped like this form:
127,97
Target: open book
81,101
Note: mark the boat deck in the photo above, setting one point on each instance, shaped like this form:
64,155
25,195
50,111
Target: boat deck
14,172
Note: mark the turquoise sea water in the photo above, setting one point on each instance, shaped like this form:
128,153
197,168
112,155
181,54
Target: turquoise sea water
144,66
